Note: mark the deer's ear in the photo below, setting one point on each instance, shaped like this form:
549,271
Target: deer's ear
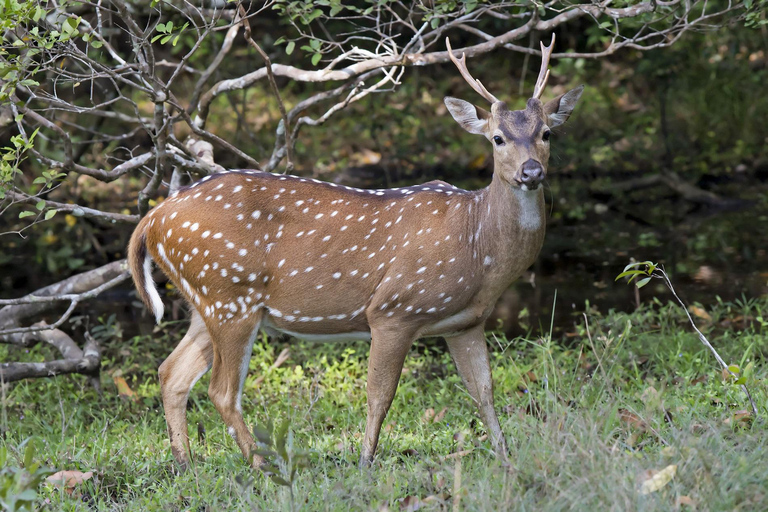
559,109
471,118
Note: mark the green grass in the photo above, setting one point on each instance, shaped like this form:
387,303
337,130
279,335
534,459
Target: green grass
584,424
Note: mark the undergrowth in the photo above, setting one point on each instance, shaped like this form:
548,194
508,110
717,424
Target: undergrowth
588,418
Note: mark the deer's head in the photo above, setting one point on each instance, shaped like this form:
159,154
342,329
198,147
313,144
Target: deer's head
520,138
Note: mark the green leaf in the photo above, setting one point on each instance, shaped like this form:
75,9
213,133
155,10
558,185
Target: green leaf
97,44
25,214
629,273
49,214
39,12
280,481
316,58
734,368
642,282
289,47
69,26
39,180
749,369
40,205
741,381
29,453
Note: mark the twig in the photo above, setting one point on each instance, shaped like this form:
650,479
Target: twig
457,473
285,125
75,209
703,338
74,299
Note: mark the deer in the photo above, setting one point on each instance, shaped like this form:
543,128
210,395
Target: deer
251,251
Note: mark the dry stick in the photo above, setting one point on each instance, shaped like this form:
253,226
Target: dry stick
286,128
457,475
75,209
74,299
88,363
703,338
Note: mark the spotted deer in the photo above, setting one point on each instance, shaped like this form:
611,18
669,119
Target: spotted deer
251,250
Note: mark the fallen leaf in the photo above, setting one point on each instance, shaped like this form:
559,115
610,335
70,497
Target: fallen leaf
632,419
700,313
686,500
699,380
668,451
439,416
69,479
659,480
124,390
650,395
429,414
411,503
742,418
410,452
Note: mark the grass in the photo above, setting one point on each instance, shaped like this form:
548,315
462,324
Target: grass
587,421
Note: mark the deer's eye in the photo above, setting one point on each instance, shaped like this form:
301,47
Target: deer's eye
498,140
545,137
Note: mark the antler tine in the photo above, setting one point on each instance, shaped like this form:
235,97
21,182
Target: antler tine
541,82
473,82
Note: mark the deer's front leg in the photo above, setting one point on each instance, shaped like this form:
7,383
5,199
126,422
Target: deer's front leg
385,363
470,353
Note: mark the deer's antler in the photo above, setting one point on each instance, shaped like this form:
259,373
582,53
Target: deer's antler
475,83
541,82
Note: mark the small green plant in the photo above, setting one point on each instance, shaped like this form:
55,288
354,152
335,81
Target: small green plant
281,460
650,270
167,33
18,485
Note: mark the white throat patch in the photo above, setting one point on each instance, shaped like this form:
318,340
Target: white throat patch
530,218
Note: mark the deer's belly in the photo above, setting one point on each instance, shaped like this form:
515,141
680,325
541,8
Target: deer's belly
457,322
308,336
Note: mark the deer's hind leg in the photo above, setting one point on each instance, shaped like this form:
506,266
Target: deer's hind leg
232,345
189,361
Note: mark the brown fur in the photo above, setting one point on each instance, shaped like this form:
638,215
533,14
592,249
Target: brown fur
251,250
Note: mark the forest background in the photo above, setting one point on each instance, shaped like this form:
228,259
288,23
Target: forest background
105,107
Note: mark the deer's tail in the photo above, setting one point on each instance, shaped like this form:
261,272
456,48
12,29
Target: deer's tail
140,264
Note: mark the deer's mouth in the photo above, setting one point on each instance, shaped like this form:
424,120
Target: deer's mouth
526,187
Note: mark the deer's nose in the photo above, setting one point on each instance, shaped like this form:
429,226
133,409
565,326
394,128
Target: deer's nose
531,173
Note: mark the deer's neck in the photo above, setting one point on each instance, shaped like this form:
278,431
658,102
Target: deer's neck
511,229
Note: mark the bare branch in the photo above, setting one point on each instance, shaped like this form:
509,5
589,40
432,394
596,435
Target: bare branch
88,363
286,126
74,299
74,209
